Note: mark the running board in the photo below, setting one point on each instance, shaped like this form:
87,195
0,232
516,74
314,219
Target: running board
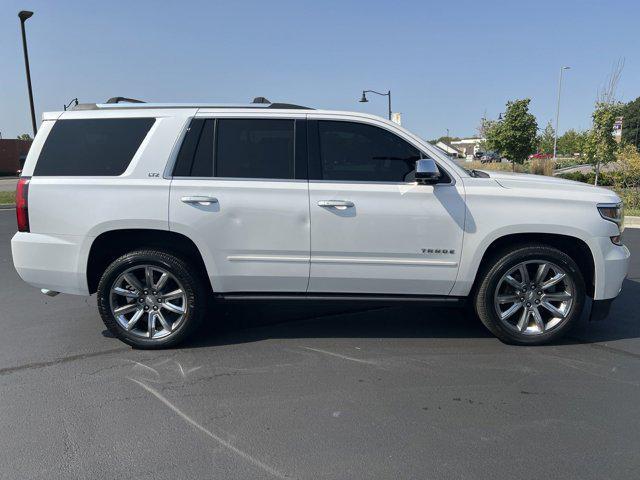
436,300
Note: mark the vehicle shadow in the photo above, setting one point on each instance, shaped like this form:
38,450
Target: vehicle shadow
256,321
236,323
622,323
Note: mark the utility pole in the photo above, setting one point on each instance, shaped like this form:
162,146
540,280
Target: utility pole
555,136
24,15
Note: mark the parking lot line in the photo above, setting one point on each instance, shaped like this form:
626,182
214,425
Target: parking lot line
344,357
208,432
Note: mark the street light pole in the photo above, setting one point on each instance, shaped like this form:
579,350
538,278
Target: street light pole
24,15
555,136
364,98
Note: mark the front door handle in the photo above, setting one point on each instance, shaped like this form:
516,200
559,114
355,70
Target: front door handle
202,200
339,204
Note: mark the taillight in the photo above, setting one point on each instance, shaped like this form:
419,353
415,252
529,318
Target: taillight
22,204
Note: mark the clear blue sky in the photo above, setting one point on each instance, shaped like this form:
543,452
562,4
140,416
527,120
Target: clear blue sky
445,62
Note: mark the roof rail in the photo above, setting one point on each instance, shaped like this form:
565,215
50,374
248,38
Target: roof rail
123,100
291,106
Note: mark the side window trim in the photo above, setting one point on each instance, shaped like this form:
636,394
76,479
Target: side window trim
313,146
300,150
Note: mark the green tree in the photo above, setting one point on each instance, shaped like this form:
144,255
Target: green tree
483,130
631,123
24,136
600,146
628,174
571,142
515,135
546,139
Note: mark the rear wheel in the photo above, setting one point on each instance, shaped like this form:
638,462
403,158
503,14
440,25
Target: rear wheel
531,295
150,299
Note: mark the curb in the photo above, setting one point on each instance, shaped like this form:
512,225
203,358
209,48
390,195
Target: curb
7,206
631,222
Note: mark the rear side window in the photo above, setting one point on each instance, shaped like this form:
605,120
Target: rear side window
92,147
242,148
195,158
254,148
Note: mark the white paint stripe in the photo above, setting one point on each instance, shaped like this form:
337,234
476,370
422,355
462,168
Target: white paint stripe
344,357
210,434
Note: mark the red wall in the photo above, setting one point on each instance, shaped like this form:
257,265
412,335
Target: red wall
10,153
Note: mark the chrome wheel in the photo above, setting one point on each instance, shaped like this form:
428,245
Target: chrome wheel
534,297
148,301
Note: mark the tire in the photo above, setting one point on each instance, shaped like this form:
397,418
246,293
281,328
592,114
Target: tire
164,319
497,291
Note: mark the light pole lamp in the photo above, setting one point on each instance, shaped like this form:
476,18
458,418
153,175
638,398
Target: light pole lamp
388,94
24,15
555,136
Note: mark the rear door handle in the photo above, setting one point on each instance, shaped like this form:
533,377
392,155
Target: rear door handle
202,200
340,204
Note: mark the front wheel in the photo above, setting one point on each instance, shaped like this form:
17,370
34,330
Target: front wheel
151,299
532,295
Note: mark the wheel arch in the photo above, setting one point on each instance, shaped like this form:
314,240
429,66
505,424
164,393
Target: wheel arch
575,247
112,244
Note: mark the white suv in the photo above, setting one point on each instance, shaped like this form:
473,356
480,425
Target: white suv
159,208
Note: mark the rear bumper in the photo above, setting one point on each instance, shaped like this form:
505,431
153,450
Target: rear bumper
53,262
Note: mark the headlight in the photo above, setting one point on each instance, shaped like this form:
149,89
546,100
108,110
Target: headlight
612,212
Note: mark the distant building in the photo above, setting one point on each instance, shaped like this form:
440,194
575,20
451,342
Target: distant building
449,150
468,147
13,153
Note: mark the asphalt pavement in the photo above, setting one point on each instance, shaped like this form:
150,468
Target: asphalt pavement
314,391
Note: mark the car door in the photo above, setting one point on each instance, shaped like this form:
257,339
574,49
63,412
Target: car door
239,194
374,229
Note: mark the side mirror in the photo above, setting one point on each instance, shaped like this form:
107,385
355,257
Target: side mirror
427,171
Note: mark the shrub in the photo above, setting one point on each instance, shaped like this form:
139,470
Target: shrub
539,166
498,166
607,179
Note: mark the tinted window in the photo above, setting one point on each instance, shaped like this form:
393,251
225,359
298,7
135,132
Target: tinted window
92,147
203,160
254,148
357,152
184,161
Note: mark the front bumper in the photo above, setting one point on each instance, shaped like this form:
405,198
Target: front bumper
612,263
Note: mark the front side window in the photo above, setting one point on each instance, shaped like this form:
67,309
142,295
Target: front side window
254,148
92,147
357,152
